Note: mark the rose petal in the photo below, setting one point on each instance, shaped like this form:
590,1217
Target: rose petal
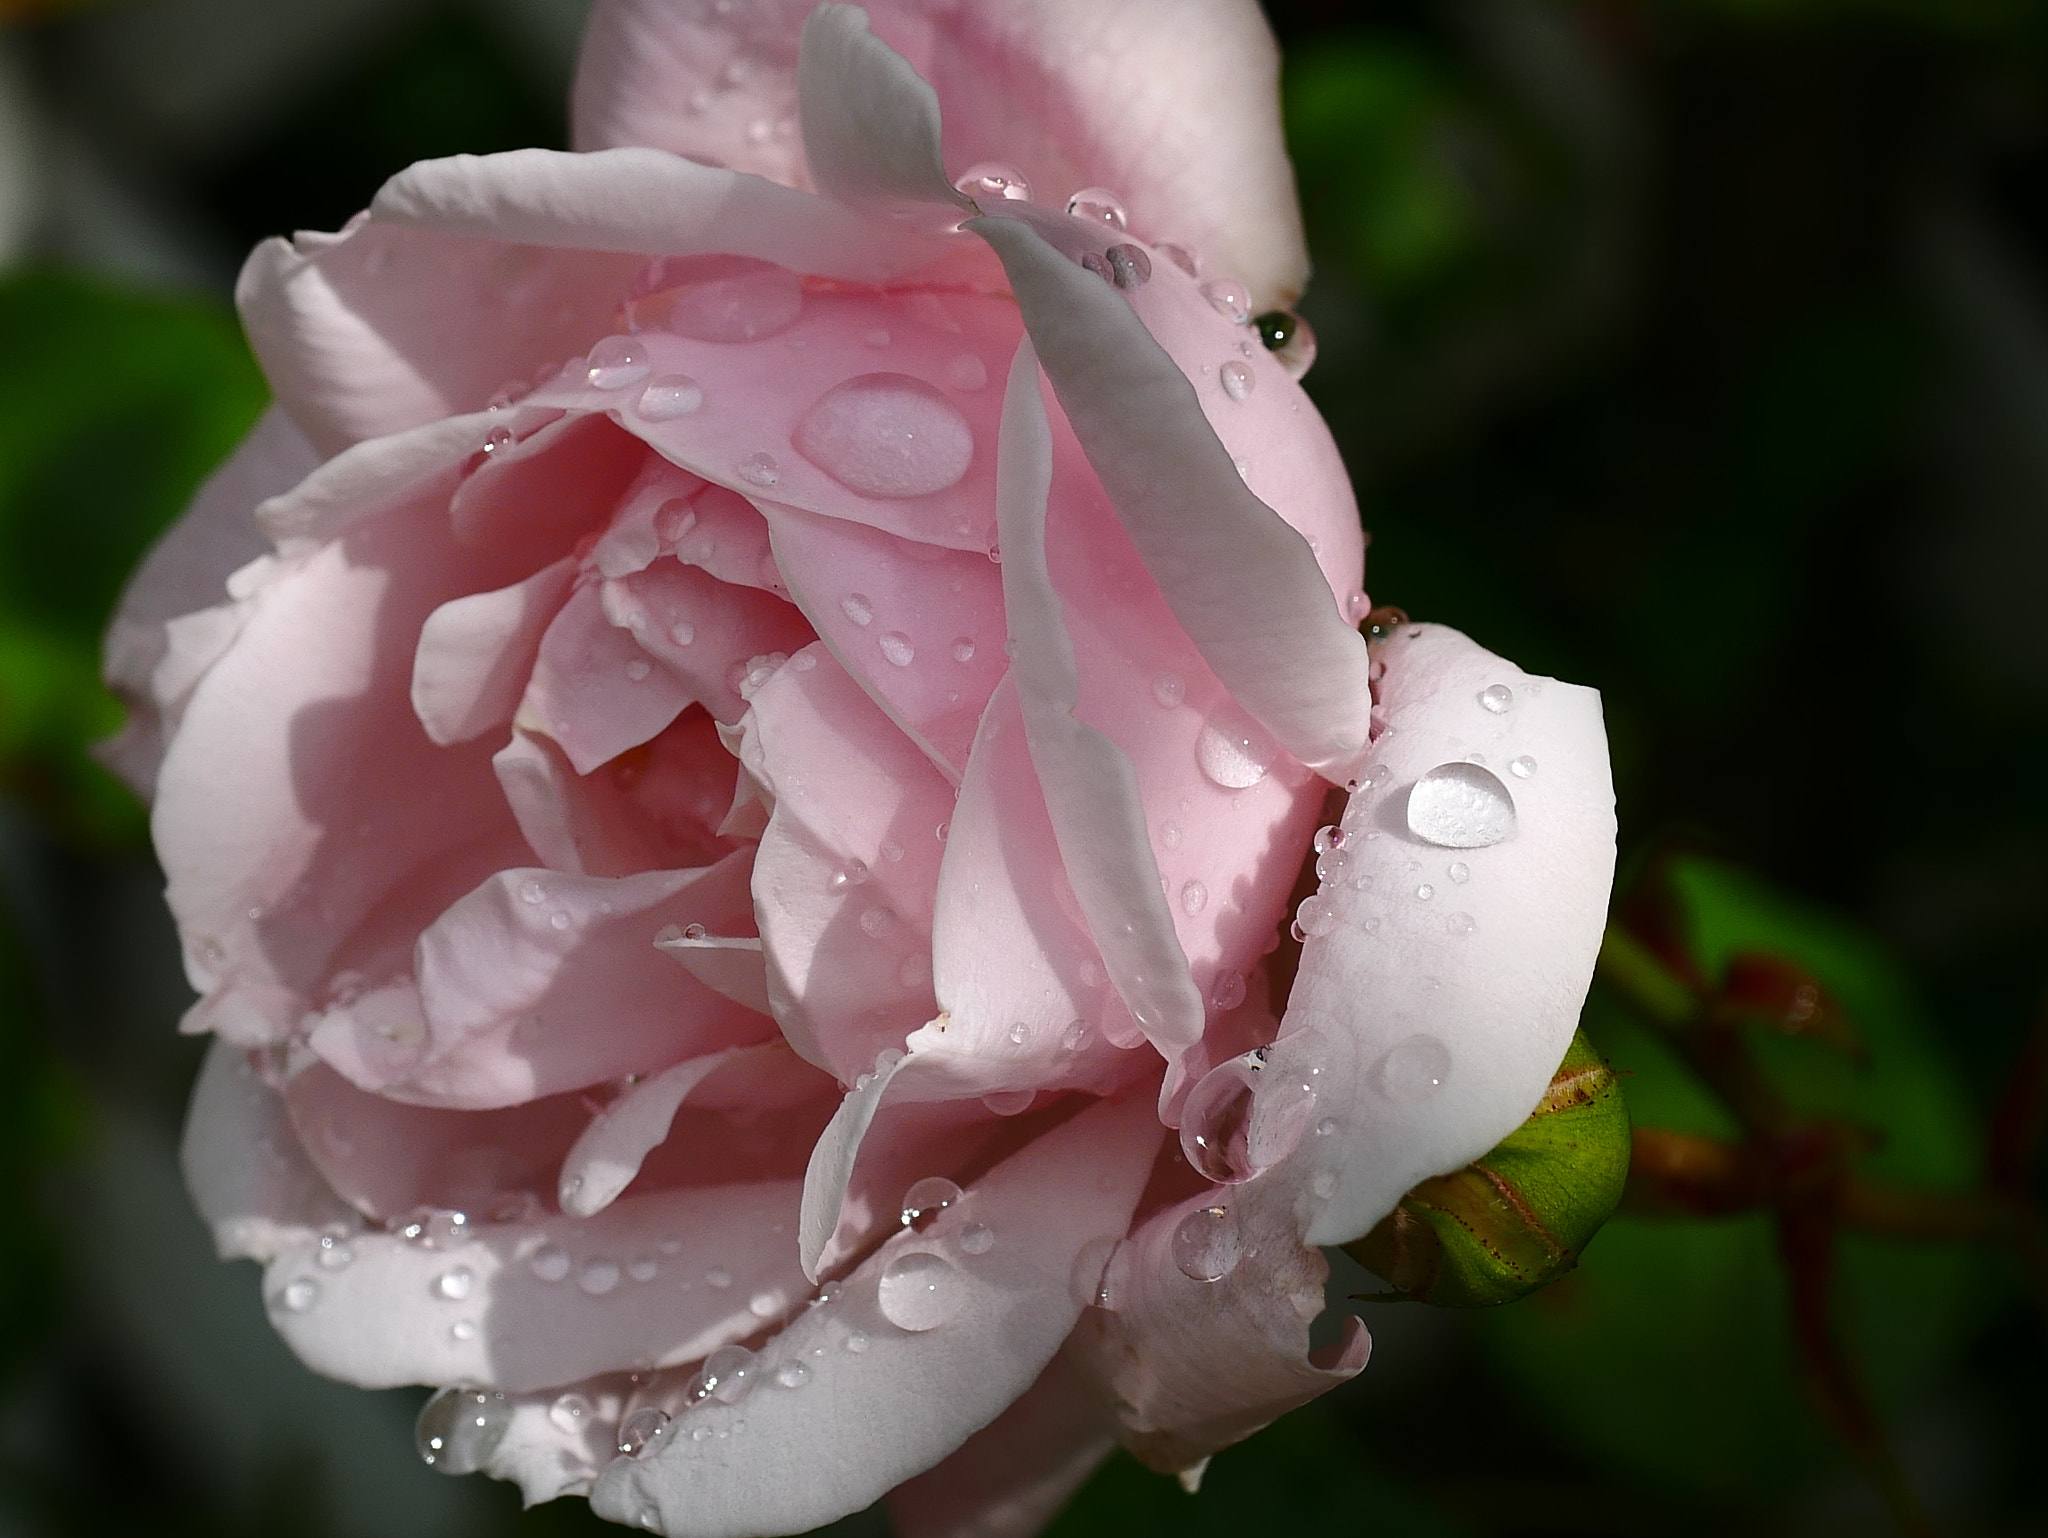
388,1317
1091,790
1244,585
734,965
869,1419
475,654
870,124
703,632
594,690
250,1179
845,873
1438,1032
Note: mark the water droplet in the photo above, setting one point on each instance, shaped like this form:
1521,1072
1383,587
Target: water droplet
896,648
497,440
333,1255
991,179
1290,340
550,1263
1009,1102
1169,691
1230,299
1075,1036
1382,622
1206,1245
1521,768
1237,380
857,1342
433,1228
1330,838
1326,1126
598,1276
695,932
1315,916
1498,698
298,1295
1461,806
1236,1123
963,648
792,1374
1019,1034
920,1291
571,1413
976,1239
876,922
718,1276
1129,266
462,1329
1228,991
760,470
1411,1070
638,668
914,971
1194,897
718,298
455,1283
532,892
1461,923
460,1427
644,1430
1234,750
1170,835
669,396
765,1305
616,362
887,435
1425,892
643,1268
727,1374
1460,872
1098,205
926,1199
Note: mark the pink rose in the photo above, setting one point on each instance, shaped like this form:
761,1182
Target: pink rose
732,878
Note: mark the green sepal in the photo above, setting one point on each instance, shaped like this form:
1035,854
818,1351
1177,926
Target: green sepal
1516,1220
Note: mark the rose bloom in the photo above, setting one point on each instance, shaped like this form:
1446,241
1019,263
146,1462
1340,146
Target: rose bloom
741,883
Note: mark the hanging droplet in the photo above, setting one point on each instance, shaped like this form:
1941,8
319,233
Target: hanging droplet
1098,205
760,470
1206,1245
727,1375
669,396
920,1291
460,1427
1194,897
718,298
1237,380
896,648
1461,806
1497,698
1290,340
616,362
887,435
1129,266
1229,298
1216,1121
1412,1070
1234,750
991,179
926,1199
550,1263
643,1431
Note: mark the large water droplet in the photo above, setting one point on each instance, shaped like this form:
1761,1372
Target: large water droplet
887,435
719,298
669,396
643,1431
991,179
1236,1123
1411,1070
1234,750
1098,205
1206,1245
920,1291
616,362
727,1374
460,1427
1461,806
1229,299
571,1413
926,1199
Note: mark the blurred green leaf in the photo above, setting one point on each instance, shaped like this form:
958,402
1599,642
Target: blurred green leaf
117,405
1668,1354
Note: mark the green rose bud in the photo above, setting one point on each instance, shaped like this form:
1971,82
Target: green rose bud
1517,1219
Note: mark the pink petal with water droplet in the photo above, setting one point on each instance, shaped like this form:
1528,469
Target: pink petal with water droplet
594,690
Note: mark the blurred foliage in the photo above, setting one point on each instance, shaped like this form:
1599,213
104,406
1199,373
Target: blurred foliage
118,404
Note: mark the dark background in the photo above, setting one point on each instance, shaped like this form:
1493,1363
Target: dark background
1693,349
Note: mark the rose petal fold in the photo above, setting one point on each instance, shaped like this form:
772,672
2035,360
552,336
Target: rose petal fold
475,654
609,1153
870,124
